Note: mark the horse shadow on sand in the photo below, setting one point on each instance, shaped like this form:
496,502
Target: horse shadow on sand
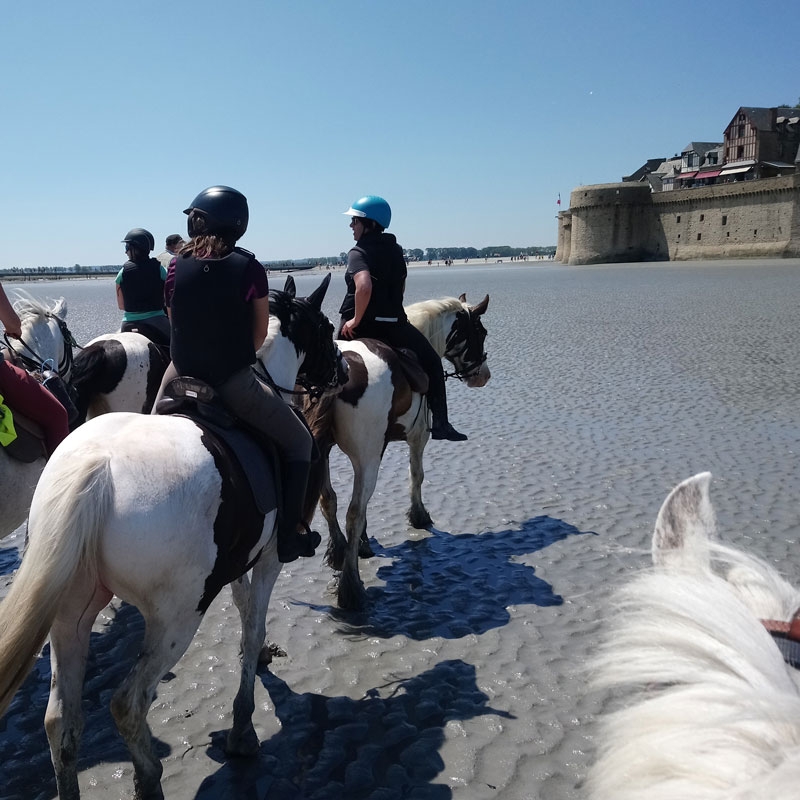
26,772
384,745
454,585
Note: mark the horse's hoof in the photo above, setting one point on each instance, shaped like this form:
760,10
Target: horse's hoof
365,548
242,745
269,651
420,519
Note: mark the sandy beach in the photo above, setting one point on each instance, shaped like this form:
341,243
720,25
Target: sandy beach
466,676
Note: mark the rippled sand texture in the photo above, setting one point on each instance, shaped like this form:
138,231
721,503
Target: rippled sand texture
465,678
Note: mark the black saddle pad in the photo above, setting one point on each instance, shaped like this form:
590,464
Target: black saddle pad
256,456
29,446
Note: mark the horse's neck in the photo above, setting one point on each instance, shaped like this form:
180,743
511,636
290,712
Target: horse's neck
436,330
279,357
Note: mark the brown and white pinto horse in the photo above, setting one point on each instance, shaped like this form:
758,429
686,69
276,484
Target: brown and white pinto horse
378,405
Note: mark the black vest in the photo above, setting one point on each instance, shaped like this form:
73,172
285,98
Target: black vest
387,269
142,286
212,325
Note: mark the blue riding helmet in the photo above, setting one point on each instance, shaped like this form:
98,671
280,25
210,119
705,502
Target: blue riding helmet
371,207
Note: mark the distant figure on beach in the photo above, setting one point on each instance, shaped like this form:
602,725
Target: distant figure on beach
173,244
373,306
140,289
23,392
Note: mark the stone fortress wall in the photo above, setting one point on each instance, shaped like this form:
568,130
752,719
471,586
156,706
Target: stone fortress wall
619,222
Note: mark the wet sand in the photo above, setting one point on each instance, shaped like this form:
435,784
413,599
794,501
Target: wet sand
465,678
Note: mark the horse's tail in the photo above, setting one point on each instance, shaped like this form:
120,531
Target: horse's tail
73,500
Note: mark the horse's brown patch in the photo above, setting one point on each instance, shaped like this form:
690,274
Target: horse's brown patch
357,379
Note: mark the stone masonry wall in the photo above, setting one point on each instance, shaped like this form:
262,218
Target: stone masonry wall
620,222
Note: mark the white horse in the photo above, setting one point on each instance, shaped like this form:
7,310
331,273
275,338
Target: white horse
138,506
117,372
45,340
711,706
379,405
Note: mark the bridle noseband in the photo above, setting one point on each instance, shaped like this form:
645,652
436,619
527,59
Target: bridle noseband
464,343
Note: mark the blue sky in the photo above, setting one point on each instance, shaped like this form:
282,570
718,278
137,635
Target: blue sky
468,117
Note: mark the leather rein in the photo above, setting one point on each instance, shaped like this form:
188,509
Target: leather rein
33,362
786,636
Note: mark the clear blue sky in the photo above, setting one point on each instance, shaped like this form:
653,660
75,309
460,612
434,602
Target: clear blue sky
468,117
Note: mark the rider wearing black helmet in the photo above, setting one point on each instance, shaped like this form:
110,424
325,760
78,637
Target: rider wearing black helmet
212,279
140,289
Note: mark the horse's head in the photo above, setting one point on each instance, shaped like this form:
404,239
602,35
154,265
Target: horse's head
46,341
321,369
464,347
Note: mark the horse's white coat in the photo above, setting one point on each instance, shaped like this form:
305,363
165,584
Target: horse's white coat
41,333
360,432
710,708
126,506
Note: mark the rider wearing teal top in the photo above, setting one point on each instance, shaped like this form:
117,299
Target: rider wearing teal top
140,289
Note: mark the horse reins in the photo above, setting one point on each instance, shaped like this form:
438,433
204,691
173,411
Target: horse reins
462,342
34,362
786,636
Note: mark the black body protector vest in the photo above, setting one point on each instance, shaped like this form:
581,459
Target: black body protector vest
212,324
142,286
387,269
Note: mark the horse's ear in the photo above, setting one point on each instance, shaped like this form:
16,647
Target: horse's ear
463,297
684,526
289,286
481,307
60,308
318,295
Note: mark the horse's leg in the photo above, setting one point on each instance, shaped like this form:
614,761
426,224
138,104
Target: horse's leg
166,638
337,543
242,738
351,593
418,515
69,647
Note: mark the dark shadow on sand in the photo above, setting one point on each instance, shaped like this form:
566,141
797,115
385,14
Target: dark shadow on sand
384,745
453,586
10,559
26,772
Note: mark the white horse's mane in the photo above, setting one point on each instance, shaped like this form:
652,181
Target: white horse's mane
427,316
711,710
273,331
27,306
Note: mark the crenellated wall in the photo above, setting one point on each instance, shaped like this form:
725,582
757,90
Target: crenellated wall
619,222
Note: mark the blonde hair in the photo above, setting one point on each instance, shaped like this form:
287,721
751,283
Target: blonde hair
206,245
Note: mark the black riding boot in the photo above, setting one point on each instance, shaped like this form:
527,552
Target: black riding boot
293,544
441,428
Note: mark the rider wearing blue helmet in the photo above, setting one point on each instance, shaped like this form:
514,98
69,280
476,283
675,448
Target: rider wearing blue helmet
373,306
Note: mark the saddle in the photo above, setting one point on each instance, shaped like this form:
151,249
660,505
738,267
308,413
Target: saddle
240,450
29,446
406,359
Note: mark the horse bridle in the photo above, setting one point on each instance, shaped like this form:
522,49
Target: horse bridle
465,343
313,363
786,636
34,362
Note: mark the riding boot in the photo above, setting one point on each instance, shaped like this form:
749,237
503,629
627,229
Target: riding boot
441,428
292,543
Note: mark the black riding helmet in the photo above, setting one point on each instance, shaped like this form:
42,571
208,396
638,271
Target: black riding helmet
218,210
141,238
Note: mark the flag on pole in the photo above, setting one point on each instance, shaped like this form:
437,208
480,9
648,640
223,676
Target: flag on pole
558,202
